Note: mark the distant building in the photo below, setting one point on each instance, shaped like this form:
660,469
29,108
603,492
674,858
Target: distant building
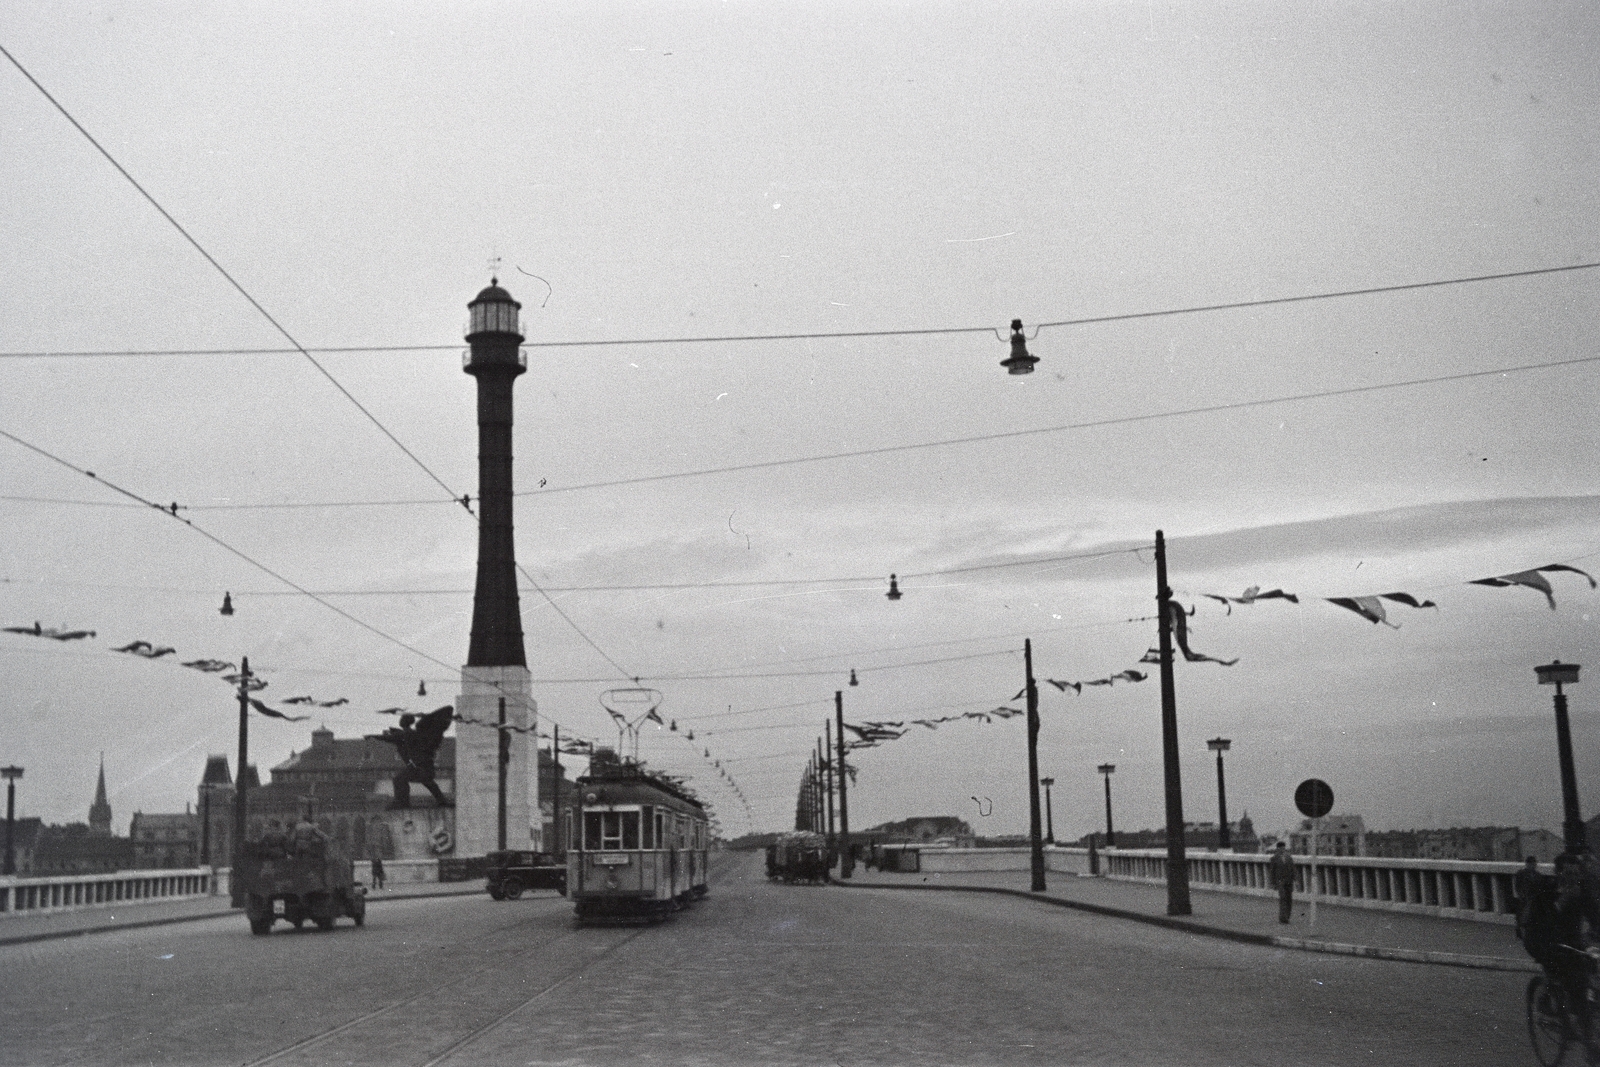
926,830
165,840
1507,844
78,848
25,834
347,784
1340,835
1199,835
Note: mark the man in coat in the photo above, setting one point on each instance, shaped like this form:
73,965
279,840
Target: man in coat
1281,869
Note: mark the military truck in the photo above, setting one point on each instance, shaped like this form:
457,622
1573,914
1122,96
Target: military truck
316,883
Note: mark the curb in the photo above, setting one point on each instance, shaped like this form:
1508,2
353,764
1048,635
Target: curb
1378,952
106,928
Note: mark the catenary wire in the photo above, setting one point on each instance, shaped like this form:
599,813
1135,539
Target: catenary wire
281,329
231,280
812,336
220,543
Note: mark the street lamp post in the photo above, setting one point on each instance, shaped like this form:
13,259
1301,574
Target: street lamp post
1219,745
1049,820
11,775
1558,674
1108,769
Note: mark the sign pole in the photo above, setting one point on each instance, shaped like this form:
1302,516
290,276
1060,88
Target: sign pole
1316,834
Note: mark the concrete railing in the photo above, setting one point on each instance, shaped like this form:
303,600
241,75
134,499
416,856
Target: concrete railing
1456,889
34,895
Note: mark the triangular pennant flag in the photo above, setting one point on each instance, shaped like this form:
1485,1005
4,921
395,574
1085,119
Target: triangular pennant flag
1180,629
1408,600
654,716
275,713
1534,580
1151,655
1076,687
1368,607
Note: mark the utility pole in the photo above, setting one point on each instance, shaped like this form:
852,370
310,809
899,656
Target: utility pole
1177,861
827,765
846,860
241,788
505,765
1035,833
555,787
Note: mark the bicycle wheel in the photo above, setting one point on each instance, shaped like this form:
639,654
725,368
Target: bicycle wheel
1547,1021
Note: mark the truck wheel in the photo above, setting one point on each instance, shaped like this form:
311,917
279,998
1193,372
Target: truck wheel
512,888
324,922
261,926
496,893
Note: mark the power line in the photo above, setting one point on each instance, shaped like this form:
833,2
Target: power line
913,446
814,336
1121,420
220,543
209,258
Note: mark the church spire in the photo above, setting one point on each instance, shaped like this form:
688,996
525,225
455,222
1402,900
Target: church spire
100,810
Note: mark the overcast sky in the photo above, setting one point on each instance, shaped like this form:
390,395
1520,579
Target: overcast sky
695,170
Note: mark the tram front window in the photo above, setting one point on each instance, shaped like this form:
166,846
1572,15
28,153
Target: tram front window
611,831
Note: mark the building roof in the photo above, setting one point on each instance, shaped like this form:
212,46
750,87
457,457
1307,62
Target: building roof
216,772
328,753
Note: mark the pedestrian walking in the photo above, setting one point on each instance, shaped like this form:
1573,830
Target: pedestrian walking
1281,868
377,872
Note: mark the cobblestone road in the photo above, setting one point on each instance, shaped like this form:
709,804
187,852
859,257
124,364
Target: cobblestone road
756,974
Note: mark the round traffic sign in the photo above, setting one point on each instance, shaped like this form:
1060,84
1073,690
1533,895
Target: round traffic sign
1314,798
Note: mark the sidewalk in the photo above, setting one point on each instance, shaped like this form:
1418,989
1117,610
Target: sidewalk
20,929
1250,919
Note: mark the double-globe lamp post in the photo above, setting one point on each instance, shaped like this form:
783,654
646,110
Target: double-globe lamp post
1219,745
11,775
1108,769
1558,674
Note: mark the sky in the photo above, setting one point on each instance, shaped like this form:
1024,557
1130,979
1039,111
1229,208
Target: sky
676,173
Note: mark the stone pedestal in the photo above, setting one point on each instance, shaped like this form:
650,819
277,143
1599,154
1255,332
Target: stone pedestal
477,762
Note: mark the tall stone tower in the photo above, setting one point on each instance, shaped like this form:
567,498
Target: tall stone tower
496,674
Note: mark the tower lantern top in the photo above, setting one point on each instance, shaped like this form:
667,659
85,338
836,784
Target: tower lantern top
493,311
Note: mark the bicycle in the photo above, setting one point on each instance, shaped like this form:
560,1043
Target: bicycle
1554,1023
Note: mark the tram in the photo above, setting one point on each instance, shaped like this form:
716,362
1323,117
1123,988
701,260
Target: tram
637,847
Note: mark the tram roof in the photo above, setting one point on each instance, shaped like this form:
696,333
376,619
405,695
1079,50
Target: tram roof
629,784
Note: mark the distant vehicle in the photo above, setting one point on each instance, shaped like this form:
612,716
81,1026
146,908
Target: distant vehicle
513,873
638,845
280,883
799,856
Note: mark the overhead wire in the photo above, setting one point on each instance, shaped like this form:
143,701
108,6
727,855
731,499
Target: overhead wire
1088,320
464,500
220,269
225,546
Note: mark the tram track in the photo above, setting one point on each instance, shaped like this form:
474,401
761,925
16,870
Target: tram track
364,1024
493,967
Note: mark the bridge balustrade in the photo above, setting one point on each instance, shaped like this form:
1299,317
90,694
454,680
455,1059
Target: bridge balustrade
35,895
1456,889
